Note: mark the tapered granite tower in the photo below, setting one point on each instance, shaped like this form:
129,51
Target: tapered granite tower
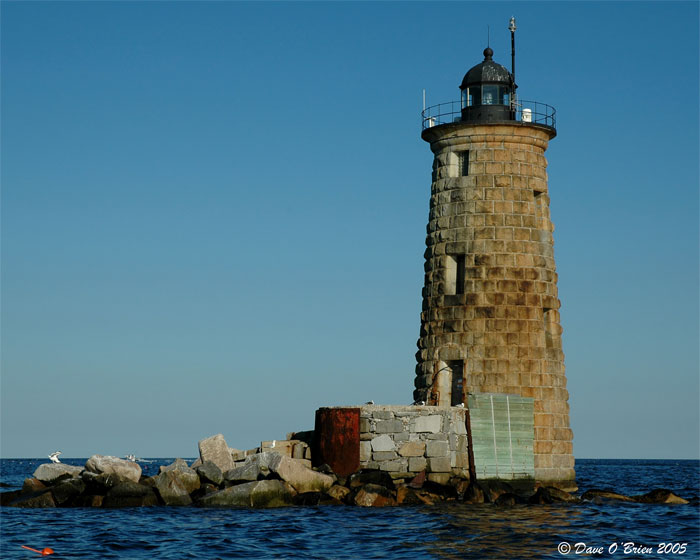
490,320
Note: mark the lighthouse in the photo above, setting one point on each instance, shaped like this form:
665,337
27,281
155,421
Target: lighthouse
490,320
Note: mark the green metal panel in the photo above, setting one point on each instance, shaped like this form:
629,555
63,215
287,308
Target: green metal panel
503,433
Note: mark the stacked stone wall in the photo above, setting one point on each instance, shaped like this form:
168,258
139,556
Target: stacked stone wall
499,316
405,440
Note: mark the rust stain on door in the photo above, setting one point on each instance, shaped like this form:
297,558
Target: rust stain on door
337,439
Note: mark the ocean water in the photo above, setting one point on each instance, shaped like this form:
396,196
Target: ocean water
454,531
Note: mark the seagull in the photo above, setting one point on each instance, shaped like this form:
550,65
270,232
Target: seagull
419,403
54,457
369,402
460,405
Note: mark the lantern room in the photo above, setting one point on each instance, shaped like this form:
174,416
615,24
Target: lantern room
487,92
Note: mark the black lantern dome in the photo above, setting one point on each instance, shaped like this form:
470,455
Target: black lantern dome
487,92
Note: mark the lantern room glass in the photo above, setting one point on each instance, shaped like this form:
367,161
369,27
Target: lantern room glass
486,94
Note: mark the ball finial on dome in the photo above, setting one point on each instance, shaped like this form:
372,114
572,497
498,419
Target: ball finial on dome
488,53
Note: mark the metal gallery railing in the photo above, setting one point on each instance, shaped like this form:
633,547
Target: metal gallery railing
525,111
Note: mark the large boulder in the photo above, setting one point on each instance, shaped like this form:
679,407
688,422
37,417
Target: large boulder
406,495
372,476
50,473
338,492
509,499
6,498
474,494
493,488
40,499
171,489
262,493
216,450
596,495
129,494
113,466
659,496
187,477
32,485
250,471
209,472
300,477
177,465
374,495
65,492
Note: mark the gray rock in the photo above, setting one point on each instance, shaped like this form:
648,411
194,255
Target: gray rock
108,465
263,493
129,494
68,490
383,443
209,472
660,496
374,495
176,465
250,471
389,426
439,465
216,450
299,476
171,490
508,499
100,483
384,455
431,424
599,495
412,449
255,467
237,454
371,477
437,449
417,464
32,485
50,473
365,451
40,499
338,492
187,477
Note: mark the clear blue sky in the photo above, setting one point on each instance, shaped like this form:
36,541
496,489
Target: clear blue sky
213,214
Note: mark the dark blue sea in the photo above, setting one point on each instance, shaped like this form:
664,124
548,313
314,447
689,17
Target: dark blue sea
454,531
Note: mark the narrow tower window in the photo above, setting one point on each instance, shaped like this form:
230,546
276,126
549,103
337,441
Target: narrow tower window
464,163
454,274
457,367
461,265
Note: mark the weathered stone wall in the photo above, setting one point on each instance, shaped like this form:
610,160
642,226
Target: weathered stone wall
496,321
405,440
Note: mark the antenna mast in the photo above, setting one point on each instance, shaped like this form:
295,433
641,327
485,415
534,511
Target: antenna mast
511,27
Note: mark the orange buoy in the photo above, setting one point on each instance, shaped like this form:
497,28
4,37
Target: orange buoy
43,551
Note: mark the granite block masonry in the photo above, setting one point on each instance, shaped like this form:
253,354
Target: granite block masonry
404,440
490,321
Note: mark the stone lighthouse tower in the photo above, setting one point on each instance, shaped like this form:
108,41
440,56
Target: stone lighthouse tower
490,317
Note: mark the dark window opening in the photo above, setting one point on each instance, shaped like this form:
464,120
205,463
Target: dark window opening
461,269
457,367
464,163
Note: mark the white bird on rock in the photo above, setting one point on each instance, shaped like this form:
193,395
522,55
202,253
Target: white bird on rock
54,457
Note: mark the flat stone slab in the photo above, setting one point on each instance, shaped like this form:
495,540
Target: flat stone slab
263,493
383,442
53,472
430,424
